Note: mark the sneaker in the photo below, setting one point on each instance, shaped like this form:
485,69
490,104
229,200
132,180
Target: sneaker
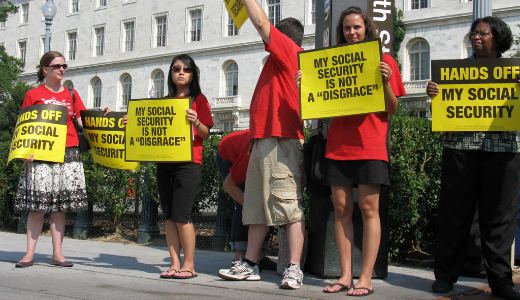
233,263
240,271
292,278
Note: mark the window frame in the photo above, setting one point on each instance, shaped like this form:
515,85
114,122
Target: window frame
156,37
190,38
419,53
95,93
95,40
124,89
273,19
157,92
419,4
230,83
22,55
24,14
124,36
72,6
68,52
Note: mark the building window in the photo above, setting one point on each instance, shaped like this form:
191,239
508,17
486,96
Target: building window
22,51
99,47
74,6
129,36
160,31
101,3
228,126
96,91
72,45
420,60
274,11
24,16
231,29
126,89
313,11
157,90
231,76
418,4
195,25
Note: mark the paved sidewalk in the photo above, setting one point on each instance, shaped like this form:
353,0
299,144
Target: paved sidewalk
118,271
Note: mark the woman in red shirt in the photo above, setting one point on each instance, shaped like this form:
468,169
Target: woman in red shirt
179,183
357,155
46,187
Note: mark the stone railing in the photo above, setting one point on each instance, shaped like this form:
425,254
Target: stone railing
226,102
415,87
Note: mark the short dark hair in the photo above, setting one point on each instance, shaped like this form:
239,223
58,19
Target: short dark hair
502,36
45,61
194,85
292,28
370,28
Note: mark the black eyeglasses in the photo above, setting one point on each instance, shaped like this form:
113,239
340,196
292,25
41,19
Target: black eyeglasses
481,34
58,66
185,69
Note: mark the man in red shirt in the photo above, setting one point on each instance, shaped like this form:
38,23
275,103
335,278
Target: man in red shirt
273,190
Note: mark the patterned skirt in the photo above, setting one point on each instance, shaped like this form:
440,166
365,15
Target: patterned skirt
52,187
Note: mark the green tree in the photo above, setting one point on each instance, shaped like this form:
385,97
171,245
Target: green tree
399,32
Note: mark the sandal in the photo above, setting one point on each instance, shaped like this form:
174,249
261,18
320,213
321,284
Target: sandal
189,275
368,292
342,288
169,274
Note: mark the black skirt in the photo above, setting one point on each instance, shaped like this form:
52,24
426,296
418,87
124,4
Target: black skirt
354,172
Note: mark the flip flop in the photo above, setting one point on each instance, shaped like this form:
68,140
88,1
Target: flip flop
369,292
342,286
169,274
178,276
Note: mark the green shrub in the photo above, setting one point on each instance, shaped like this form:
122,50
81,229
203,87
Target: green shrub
415,165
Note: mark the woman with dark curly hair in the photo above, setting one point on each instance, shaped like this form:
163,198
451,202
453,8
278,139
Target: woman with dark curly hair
479,169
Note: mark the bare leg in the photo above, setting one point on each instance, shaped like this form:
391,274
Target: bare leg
255,238
295,239
239,255
173,243
369,205
34,228
187,239
57,232
343,206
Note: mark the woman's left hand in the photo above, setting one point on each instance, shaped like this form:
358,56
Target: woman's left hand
192,115
386,72
106,110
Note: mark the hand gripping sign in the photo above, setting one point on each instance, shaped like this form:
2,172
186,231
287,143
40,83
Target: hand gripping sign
476,95
158,130
106,135
341,81
41,131
237,12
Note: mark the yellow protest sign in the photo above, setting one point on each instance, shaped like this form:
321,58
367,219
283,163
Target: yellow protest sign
41,131
237,12
158,130
341,81
106,135
476,95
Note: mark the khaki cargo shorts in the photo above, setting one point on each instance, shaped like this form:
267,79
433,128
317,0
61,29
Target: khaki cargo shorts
273,190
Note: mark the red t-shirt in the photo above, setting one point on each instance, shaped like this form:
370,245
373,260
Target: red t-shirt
42,95
234,148
275,109
201,106
363,137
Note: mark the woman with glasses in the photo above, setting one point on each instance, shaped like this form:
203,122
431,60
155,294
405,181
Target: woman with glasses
479,169
179,183
46,187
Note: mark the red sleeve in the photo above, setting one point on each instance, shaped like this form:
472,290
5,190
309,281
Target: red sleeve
78,103
396,82
281,47
27,100
203,111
